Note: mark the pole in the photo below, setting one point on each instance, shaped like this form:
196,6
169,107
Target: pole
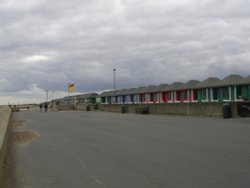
53,102
68,89
114,70
69,92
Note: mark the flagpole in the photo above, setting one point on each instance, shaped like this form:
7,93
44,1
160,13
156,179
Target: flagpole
69,92
69,88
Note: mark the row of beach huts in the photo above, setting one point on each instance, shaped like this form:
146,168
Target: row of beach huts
233,88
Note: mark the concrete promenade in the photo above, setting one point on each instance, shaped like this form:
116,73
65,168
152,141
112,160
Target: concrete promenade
112,150
5,114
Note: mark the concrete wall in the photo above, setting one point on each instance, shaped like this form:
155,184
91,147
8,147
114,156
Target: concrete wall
81,107
4,122
64,107
72,107
209,108
206,108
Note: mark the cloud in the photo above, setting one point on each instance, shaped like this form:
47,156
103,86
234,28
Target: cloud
35,58
149,42
33,94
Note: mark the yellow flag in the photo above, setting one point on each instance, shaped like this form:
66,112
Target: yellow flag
71,87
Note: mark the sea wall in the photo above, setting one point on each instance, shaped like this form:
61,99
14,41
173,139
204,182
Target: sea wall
5,115
208,108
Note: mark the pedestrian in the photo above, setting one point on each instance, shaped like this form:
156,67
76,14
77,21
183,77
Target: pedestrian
46,107
41,107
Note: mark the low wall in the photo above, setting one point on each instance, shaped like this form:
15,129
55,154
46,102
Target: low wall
209,109
76,107
64,107
81,107
4,122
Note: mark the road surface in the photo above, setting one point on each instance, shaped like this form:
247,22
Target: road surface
112,150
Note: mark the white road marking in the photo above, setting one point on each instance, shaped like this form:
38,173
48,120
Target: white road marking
97,180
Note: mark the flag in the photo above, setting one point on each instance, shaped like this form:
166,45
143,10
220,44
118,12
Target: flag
71,87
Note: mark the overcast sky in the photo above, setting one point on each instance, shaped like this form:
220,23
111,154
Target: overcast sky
46,44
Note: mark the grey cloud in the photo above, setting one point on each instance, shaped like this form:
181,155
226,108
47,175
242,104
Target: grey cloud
148,42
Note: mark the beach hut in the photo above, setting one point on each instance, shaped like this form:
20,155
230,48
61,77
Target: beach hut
185,93
206,90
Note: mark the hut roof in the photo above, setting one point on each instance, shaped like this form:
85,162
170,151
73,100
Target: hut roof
151,89
118,92
93,95
163,87
133,91
192,84
231,80
245,80
175,86
121,92
83,96
110,93
142,90
105,94
69,97
189,84
209,82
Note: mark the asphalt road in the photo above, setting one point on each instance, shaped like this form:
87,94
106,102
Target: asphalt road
112,150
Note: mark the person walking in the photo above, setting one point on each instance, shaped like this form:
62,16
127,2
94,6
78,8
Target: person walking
46,107
41,107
